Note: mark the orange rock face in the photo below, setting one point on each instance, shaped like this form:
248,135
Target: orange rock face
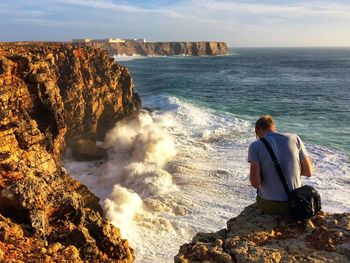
255,237
52,95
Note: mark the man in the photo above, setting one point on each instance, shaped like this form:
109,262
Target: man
292,157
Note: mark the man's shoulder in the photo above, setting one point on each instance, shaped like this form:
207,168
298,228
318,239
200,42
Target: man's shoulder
286,135
291,138
289,134
255,144
254,151
294,137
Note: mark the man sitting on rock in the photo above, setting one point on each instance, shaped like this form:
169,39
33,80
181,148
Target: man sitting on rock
292,157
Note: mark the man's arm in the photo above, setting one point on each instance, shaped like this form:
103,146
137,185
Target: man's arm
255,179
305,161
306,167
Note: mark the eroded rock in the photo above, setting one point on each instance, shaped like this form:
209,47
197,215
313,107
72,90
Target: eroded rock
87,150
130,48
256,237
52,95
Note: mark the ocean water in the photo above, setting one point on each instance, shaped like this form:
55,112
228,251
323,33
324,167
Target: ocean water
182,168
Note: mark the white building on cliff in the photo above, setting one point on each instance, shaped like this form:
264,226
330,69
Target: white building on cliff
106,40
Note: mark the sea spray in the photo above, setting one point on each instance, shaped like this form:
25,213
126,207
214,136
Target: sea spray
138,149
143,139
122,206
124,57
209,169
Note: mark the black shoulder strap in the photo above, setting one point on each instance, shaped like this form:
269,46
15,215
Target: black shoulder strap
277,166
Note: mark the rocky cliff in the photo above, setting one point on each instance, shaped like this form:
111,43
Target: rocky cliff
130,48
254,237
52,95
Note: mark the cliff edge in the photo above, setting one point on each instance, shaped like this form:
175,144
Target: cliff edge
255,237
131,48
52,95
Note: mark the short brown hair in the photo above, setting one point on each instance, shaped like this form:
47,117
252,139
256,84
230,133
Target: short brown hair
266,122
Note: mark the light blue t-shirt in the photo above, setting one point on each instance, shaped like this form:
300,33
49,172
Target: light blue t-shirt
289,150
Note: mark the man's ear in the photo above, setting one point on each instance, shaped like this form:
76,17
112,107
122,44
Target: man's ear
258,132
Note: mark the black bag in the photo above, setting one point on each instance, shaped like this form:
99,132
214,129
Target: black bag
303,202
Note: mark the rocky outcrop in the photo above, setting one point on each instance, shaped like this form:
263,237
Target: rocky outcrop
50,95
131,48
255,237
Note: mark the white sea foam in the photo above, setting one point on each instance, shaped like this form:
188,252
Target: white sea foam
124,57
121,207
161,196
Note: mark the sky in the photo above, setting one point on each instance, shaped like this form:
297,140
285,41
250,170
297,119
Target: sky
249,23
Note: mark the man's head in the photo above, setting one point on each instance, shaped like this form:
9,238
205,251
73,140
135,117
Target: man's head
264,125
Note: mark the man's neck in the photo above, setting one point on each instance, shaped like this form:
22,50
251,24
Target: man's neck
266,132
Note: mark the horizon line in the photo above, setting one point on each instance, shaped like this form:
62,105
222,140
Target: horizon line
229,46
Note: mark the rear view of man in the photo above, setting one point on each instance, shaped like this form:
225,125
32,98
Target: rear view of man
292,157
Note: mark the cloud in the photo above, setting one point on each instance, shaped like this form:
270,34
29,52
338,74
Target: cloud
237,21
293,9
103,4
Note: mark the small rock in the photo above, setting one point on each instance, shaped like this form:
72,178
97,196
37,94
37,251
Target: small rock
218,243
310,225
294,250
71,253
55,247
2,254
338,234
224,258
41,77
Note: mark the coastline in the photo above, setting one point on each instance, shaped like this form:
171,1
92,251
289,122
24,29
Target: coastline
216,139
147,185
46,214
201,48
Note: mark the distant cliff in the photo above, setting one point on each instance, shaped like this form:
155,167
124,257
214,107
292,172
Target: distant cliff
50,95
130,48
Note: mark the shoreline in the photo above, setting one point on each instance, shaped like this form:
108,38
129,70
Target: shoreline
147,185
45,213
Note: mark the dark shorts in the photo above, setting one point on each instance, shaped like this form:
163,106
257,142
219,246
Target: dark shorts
273,207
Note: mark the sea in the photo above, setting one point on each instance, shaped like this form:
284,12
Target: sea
181,166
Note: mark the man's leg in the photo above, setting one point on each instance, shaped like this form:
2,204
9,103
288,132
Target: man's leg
273,207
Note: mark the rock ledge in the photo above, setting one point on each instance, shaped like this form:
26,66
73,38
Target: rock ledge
255,237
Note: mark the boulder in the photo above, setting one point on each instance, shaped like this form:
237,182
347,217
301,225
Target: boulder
85,150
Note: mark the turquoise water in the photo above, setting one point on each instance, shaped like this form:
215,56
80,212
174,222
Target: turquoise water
306,90
182,168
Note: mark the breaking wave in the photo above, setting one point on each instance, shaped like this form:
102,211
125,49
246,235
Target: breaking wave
124,57
138,150
182,169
